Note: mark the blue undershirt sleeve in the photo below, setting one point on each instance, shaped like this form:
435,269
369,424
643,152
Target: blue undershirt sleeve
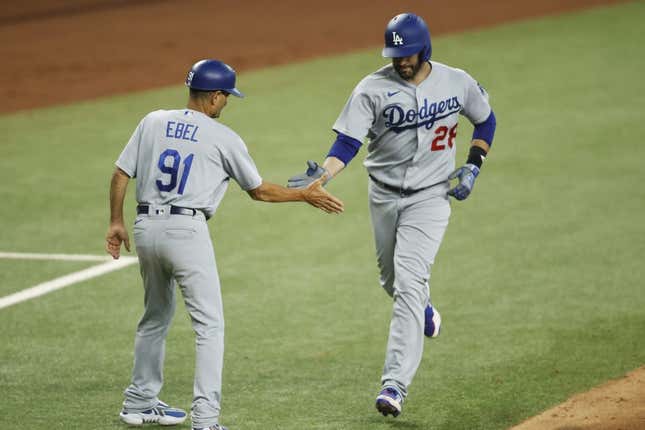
486,130
344,148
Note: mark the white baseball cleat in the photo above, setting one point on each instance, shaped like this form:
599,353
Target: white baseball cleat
433,322
161,414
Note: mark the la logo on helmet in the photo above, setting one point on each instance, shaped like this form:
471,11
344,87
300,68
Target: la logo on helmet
396,39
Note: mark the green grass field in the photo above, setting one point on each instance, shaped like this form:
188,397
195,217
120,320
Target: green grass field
539,280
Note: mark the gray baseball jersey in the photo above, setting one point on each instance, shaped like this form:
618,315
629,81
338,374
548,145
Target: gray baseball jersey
181,158
184,158
412,129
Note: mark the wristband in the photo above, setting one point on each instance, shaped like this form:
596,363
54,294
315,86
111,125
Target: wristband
476,156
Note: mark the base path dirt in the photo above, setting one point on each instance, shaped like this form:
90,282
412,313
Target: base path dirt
61,51
616,405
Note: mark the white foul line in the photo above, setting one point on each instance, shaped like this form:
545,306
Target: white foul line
64,281
64,257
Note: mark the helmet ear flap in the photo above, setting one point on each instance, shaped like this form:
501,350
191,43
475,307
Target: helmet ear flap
426,53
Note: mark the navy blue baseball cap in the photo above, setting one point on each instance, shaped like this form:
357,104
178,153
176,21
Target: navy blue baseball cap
212,75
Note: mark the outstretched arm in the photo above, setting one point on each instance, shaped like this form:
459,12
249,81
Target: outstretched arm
314,194
341,153
117,232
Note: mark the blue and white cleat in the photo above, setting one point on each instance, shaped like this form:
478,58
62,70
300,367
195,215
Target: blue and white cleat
161,414
433,322
389,402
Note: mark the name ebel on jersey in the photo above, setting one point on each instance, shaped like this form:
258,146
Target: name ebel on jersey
398,119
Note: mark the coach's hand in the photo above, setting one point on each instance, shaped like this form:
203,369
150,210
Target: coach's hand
318,197
466,175
116,235
314,171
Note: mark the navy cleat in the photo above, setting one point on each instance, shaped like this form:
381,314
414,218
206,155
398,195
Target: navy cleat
389,402
433,322
161,414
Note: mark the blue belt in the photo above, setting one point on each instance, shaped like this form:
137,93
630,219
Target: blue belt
174,210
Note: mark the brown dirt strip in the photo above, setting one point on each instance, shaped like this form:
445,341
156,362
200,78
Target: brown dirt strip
616,405
61,51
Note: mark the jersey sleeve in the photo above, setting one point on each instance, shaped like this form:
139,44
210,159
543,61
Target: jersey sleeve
127,161
357,116
239,165
476,106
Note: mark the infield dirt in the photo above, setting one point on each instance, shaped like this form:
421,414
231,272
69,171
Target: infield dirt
616,405
63,51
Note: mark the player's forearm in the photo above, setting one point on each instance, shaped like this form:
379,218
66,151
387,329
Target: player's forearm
118,188
342,151
273,193
481,143
484,133
333,165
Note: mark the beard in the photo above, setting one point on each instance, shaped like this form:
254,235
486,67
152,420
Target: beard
409,72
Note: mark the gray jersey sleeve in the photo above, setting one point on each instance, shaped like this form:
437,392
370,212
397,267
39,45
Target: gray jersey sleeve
357,116
239,165
127,161
476,106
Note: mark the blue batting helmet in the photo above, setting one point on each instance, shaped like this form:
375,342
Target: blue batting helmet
407,34
212,75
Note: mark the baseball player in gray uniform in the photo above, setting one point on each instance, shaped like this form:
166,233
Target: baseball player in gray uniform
408,111
183,161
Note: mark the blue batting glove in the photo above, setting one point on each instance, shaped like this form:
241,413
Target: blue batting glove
466,175
314,171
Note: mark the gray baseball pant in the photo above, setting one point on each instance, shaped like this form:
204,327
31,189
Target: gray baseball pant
177,250
407,233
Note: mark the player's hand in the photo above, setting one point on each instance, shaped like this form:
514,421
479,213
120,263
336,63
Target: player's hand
116,235
318,197
466,175
314,171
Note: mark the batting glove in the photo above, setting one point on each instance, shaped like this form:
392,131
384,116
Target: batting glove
466,175
314,171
